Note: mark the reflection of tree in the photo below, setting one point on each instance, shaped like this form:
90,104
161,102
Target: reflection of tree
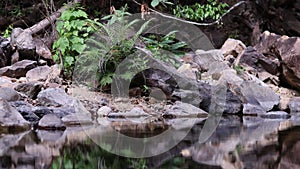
90,156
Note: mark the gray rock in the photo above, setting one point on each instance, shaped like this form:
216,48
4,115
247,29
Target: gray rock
104,111
9,94
51,121
180,109
77,119
39,73
18,69
262,96
136,112
54,97
294,105
23,41
10,117
30,89
253,109
5,52
26,110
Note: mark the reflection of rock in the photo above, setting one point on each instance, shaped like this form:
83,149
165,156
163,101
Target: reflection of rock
10,117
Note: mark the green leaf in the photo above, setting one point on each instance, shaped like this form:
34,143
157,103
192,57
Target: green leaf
62,44
154,3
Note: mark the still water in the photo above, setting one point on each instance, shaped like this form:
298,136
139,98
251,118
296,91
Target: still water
238,142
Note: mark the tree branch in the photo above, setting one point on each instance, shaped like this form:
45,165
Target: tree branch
48,20
191,22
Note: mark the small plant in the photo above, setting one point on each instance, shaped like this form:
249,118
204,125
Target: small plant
198,12
7,31
239,69
157,44
73,28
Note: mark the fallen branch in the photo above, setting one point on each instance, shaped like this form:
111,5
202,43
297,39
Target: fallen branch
191,22
48,20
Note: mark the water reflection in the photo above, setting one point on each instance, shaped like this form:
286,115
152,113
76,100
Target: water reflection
238,142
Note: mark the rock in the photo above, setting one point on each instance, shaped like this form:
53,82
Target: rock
136,112
258,62
233,47
9,94
26,110
257,94
180,109
18,69
104,111
10,117
41,111
54,97
77,119
30,89
6,82
294,105
5,52
253,109
42,50
188,71
51,122
23,41
39,73
205,58
287,50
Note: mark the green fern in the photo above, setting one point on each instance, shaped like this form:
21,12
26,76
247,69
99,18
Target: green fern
108,48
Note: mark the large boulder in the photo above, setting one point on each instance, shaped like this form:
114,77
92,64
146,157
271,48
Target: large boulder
286,49
11,118
60,102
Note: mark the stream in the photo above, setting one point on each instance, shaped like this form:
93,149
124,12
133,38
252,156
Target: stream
238,142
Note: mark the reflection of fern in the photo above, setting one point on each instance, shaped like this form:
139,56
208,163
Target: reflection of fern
108,48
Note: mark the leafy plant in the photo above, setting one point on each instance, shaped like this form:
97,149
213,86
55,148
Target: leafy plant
110,47
198,12
73,28
158,44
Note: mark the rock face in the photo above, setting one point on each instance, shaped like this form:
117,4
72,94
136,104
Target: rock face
18,69
285,49
10,117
